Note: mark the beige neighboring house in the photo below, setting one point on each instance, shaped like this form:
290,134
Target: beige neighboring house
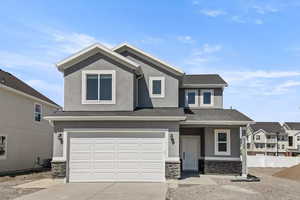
267,138
25,137
293,131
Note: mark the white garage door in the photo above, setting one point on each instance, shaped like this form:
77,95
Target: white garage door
116,159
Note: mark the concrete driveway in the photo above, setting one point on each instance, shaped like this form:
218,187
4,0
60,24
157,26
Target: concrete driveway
107,191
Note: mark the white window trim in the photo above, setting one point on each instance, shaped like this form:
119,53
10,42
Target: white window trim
83,90
5,155
159,78
217,152
36,112
196,98
202,98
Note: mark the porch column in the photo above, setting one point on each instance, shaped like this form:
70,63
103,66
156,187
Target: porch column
58,163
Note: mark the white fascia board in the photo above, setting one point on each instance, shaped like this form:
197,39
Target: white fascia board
27,95
113,118
105,50
195,122
204,85
174,69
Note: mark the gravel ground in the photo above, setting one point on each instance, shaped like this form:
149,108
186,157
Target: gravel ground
269,188
7,183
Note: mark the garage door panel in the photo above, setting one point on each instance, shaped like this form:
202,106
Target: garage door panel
128,146
104,146
103,155
128,155
81,147
80,156
103,165
153,155
80,165
131,158
123,165
151,146
152,165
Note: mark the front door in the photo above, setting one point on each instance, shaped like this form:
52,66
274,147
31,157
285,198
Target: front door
190,146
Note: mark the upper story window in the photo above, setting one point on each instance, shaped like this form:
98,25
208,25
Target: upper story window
222,142
3,146
157,87
257,137
207,97
191,98
37,112
298,138
98,87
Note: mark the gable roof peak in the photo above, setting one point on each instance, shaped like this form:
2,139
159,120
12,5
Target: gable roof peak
61,65
126,45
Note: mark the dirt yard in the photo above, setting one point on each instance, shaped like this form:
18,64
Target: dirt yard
269,188
7,183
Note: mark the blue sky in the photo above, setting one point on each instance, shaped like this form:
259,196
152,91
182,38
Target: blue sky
254,45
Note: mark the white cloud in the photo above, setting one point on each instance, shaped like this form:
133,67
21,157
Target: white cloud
195,2
284,87
204,54
238,19
71,42
151,40
186,39
208,49
16,60
247,75
265,9
258,21
45,86
212,13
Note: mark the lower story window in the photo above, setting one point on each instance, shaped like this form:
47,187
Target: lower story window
3,146
222,142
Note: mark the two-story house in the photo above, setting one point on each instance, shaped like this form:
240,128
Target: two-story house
267,138
293,131
25,137
129,116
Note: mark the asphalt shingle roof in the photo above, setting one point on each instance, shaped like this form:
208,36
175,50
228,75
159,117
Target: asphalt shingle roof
11,81
203,79
177,112
215,115
293,125
270,127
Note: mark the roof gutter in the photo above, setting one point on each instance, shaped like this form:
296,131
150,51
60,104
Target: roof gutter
204,85
115,118
196,122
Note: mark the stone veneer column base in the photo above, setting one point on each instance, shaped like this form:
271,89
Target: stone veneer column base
58,169
222,167
173,170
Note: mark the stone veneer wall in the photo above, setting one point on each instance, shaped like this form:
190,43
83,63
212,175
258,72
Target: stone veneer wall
222,167
173,169
59,169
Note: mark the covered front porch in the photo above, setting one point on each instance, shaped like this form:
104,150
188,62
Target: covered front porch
210,149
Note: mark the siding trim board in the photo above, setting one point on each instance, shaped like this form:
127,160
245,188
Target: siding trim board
114,118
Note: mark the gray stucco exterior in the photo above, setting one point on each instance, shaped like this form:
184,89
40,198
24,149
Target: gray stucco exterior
218,97
73,85
26,139
150,70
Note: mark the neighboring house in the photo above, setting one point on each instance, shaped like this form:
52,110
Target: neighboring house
267,138
293,131
129,116
25,137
